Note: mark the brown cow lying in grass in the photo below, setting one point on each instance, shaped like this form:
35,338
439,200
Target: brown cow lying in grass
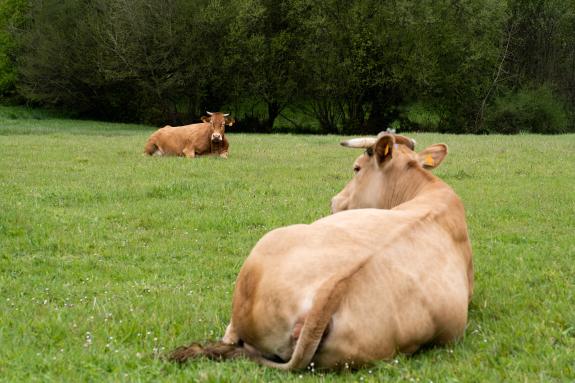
390,275
192,140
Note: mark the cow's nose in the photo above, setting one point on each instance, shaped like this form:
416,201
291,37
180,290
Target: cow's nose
216,137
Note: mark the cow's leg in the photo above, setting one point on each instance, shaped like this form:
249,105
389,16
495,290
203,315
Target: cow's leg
189,152
230,337
224,154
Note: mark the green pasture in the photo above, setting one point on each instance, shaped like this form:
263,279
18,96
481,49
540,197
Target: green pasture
109,258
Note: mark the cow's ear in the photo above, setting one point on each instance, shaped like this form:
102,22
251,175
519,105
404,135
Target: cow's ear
206,118
384,147
230,121
432,156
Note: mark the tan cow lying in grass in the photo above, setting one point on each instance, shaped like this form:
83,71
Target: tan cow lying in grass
390,275
193,140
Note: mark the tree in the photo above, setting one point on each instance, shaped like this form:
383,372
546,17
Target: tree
543,49
356,66
120,60
262,53
12,17
60,62
376,60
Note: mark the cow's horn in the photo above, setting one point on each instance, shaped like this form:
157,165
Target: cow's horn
359,142
227,114
210,113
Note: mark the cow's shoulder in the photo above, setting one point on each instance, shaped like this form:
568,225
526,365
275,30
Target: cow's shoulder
283,237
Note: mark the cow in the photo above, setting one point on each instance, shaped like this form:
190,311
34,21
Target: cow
192,140
390,271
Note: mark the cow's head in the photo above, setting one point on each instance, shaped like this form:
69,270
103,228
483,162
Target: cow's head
218,122
388,173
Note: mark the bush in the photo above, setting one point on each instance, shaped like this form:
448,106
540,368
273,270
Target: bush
535,110
11,17
422,117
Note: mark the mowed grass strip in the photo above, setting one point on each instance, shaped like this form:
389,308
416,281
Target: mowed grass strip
109,258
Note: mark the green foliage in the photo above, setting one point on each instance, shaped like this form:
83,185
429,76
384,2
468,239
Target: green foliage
422,117
543,51
11,113
11,18
263,45
535,110
109,259
353,67
115,60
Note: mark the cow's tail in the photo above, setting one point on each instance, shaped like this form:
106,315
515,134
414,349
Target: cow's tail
325,304
151,146
218,351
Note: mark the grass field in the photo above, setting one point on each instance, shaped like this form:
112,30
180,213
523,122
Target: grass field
109,259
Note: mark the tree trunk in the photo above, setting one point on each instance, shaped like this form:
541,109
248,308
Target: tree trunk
274,110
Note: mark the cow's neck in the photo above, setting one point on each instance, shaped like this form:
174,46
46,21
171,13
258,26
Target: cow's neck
215,147
412,188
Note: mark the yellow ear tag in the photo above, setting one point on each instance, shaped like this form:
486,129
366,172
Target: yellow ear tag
386,150
429,160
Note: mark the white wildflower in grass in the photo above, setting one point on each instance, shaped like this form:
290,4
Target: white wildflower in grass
88,339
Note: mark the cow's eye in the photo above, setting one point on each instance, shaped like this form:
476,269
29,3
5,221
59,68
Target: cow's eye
356,169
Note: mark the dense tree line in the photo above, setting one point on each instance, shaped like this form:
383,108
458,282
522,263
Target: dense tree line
358,66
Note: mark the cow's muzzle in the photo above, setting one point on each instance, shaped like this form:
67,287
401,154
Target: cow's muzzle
216,138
